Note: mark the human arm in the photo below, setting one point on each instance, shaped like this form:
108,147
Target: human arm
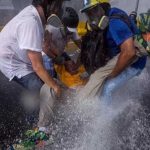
37,64
127,55
123,37
77,40
30,38
48,46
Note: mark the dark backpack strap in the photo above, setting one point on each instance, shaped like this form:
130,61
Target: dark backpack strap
122,17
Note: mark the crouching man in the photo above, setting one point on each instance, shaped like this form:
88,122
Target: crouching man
21,47
119,43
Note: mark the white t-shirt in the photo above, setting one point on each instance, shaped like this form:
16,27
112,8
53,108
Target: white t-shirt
24,32
57,38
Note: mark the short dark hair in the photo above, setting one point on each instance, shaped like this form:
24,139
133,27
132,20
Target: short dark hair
106,7
54,4
37,2
70,17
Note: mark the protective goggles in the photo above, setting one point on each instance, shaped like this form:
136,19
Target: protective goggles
96,20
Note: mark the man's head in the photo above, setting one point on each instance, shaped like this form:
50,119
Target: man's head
70,20
49,6
143,22
95,10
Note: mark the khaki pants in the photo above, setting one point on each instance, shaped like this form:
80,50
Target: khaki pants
46,106
49,100
96,80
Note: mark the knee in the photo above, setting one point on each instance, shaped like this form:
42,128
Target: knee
139,72
108,88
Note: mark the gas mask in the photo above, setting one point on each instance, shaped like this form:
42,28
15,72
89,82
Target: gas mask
102,24
55,21
96,18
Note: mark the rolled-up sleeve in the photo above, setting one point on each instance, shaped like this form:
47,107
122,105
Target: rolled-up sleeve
120,31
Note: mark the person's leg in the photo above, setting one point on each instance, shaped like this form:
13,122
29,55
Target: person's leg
30,82
46,107
48,100
111,85
30,99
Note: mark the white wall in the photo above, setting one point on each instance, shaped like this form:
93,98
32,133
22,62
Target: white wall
129,5
6,4
17,5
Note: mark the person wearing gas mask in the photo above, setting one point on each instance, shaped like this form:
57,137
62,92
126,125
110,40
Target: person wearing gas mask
143,23
118,33
60,37
21,46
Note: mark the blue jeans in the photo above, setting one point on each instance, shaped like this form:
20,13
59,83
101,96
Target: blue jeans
111,85
33,84
30,82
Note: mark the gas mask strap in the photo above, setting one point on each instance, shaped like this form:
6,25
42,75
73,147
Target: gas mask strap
103,23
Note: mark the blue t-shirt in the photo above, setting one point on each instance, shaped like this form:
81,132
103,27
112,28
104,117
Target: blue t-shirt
118,32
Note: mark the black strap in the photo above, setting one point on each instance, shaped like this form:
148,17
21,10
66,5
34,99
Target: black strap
122,17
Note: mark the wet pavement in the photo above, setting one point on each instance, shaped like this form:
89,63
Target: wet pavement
12,115
124,128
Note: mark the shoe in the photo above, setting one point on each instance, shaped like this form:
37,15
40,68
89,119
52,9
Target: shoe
7,147
32,139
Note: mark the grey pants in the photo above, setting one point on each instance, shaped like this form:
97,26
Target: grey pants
48,99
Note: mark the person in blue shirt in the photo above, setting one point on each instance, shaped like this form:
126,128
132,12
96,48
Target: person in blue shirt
119,39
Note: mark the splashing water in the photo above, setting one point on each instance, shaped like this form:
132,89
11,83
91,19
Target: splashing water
90,125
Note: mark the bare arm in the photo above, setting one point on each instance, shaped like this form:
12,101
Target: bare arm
37,64
48,46
78,43
128,53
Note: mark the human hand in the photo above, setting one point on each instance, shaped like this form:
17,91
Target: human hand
57,90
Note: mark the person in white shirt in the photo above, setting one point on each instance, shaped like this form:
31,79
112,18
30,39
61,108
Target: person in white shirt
21,46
